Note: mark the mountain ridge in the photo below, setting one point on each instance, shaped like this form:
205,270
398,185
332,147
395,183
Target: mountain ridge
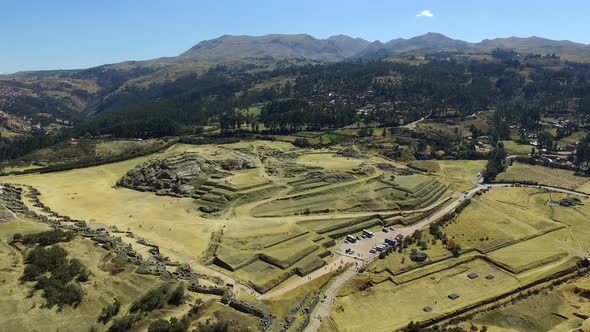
229,48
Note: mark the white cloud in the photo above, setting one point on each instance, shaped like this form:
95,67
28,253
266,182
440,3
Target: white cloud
425,13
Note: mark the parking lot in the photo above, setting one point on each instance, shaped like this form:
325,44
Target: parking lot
361,248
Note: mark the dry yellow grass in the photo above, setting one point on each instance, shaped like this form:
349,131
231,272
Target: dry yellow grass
545,175
459,173
89,194
19,312
387,307
328,160
501,216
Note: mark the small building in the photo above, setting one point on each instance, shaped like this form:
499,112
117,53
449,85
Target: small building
489,277
73,141
472,276
453,296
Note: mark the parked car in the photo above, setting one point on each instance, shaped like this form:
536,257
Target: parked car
373,250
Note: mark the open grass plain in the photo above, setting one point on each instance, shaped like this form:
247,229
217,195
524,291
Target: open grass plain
546,176
262,216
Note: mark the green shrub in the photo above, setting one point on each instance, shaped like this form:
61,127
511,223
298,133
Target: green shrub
151,301
174,325
54,275
216,327
48,238
125,323
109,312
177,296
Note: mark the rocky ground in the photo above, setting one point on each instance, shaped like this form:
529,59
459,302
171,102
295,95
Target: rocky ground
180,175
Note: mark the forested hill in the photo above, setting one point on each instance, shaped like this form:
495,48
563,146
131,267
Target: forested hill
45,96
316,97
171,96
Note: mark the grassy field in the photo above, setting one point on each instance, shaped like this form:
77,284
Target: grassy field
85,150
329,161
576,237
23,313
501,216
263,224
545,175
461,128
556,310
459,173
410,298
512,147
313,198
573,138
529,254
89,194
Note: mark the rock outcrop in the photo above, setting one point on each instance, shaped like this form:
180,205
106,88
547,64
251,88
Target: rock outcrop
172,176
181,176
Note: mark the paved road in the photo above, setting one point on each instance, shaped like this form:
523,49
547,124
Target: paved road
362,247
324,308
413,124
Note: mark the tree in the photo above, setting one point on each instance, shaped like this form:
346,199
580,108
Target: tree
454,248
475,132
125,323
174,325
152,300
545,141
177,295
583,155
496,163
109,311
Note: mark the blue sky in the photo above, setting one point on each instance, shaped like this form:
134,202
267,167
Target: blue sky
59,34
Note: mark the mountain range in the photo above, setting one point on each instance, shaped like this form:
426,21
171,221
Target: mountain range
243,48
341,47
89,90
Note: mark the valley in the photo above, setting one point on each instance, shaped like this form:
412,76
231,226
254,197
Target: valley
205,167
